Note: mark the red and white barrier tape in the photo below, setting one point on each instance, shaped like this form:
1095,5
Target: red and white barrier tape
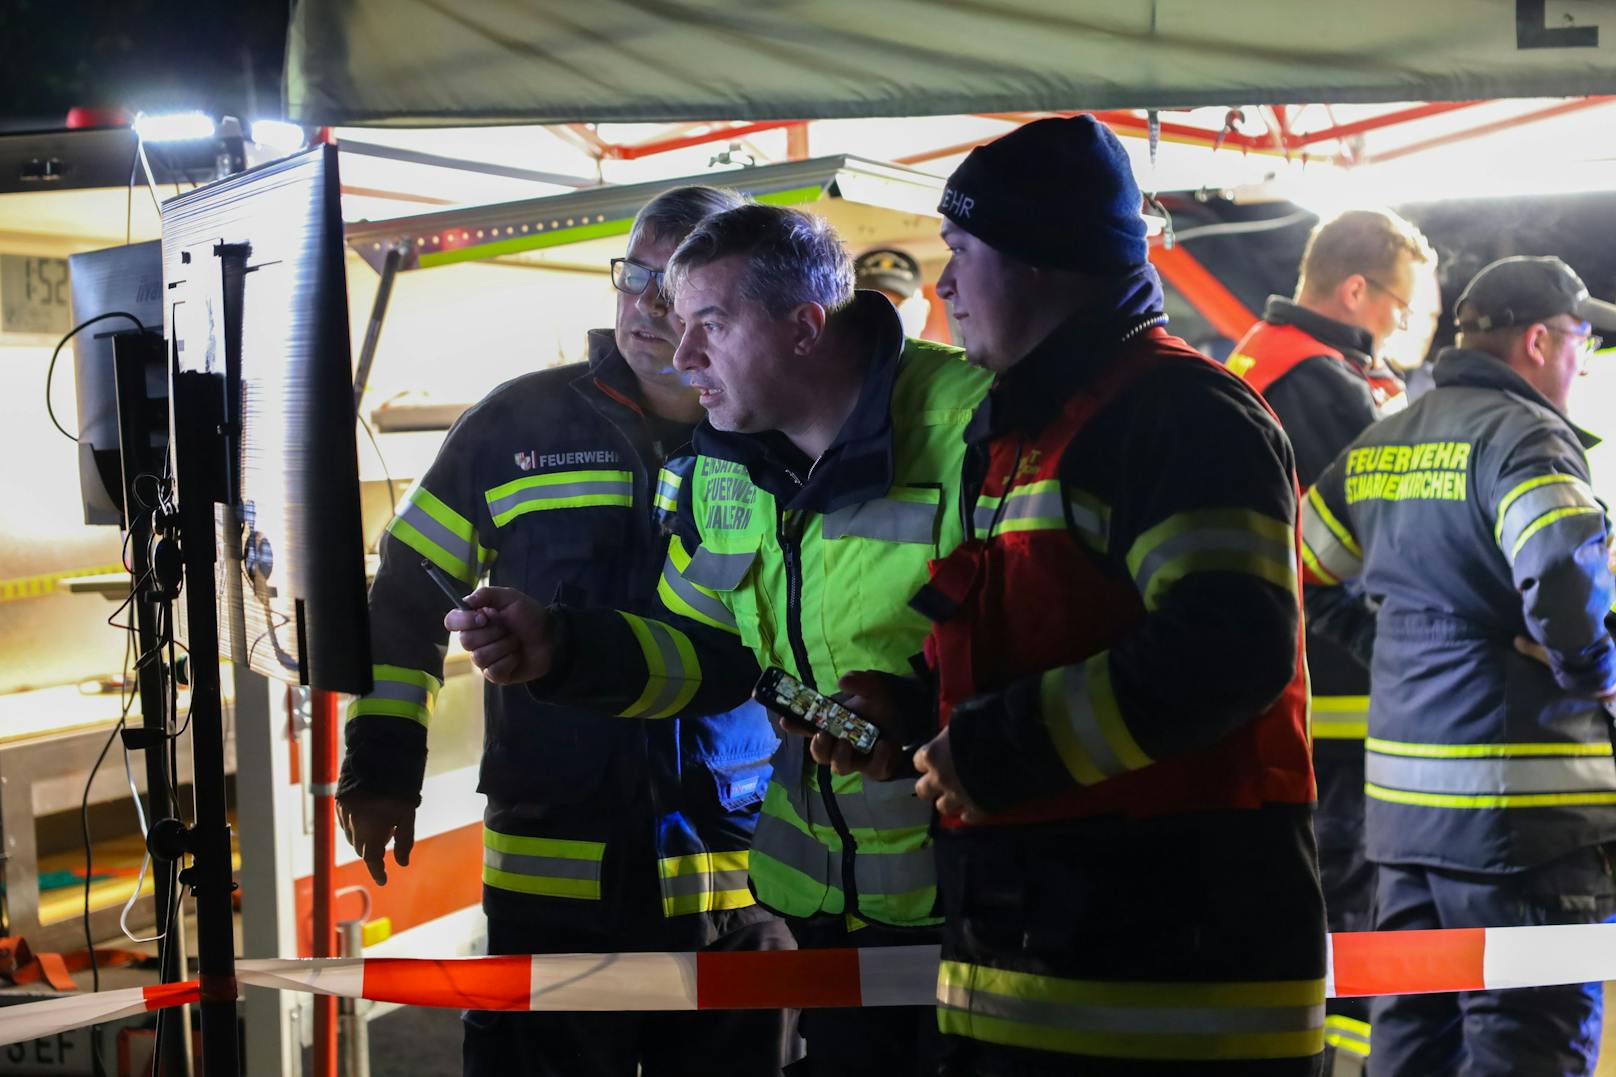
34,1020
1363,963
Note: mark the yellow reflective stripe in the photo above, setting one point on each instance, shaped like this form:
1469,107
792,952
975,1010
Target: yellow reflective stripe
1079,709
704,882
673,867
1530,484
1091,518
559,490
687,598
1109,715
1165,1021
1144,994
1548,518
1036,506
1347,1034
543,886
403,674
667,490
1311,561
392,708
549,867
1493,800
563,848
673,672
437,532
1212,540
1341,533
1165,1046
708,901
1484,751
398,692
1339,717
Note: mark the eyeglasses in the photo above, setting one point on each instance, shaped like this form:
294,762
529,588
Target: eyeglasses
631,278
1587,343
1403,305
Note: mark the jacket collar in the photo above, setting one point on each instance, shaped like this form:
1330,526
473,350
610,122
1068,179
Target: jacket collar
1355,343
1029,395
1468,367
858,465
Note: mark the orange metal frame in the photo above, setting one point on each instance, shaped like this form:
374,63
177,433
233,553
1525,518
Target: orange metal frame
1279,138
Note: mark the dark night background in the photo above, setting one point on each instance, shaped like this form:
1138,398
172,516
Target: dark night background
220,56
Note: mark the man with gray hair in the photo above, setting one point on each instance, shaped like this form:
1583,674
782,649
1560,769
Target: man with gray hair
825,471
598,836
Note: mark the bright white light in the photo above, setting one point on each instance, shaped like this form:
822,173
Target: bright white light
278,135
174,127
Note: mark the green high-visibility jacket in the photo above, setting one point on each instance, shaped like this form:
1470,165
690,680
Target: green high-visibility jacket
808,566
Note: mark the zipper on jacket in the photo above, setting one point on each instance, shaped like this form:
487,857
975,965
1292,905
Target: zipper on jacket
789,533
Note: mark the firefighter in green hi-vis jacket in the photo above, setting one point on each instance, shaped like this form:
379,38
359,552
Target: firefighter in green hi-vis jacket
821,488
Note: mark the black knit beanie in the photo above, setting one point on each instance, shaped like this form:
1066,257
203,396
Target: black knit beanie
1057,193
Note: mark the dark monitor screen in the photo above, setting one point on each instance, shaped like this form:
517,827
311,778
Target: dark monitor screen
127,279
256,293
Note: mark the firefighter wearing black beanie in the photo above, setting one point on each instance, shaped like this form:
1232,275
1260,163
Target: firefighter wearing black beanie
1125,851
1057,193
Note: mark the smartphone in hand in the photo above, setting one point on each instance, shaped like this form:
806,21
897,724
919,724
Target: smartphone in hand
790,698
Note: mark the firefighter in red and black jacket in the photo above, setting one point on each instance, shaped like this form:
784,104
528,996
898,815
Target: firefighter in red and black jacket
1316,361
1125,855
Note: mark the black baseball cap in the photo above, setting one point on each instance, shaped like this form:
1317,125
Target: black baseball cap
889,270
1521,290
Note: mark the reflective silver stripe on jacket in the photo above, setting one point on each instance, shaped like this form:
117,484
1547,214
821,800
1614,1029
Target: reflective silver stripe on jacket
1091,518
885,519
1215,539
698,600
883,806
1538,503
778,839
718,571
1322,547
558,492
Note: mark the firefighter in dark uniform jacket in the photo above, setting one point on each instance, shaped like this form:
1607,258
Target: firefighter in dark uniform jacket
1125,855
1316,361
598,836
1490,785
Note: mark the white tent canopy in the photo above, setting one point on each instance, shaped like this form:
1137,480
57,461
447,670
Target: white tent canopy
423,62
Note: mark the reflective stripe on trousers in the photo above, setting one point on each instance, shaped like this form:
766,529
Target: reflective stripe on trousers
704,882
549,867
1125,1019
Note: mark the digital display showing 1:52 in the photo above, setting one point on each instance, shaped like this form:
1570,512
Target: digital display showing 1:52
34,294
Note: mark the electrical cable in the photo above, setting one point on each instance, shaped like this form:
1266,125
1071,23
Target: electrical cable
392,495
1242,228
84,826
50,371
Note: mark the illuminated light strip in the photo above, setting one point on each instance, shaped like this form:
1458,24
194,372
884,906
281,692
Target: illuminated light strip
560,237
1360,963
